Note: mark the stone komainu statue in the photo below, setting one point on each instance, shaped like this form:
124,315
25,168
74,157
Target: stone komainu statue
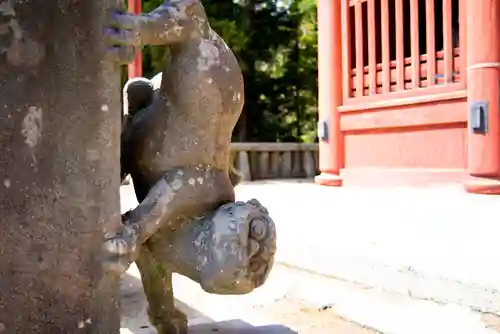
176,146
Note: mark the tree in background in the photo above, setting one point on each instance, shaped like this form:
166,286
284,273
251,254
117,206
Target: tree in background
276,44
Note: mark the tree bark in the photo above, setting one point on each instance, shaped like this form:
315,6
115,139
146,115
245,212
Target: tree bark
59,168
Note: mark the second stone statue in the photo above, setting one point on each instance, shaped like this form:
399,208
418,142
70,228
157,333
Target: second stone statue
176,147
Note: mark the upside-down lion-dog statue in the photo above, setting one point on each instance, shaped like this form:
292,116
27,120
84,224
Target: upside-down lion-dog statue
176,146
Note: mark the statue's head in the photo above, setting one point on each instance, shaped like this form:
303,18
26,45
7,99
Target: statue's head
241,251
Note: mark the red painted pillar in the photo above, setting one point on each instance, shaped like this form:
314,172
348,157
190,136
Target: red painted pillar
330,92
483,94
135,68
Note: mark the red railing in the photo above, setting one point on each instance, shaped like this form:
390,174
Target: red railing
393,47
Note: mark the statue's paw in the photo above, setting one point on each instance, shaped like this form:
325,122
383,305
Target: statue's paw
168,321
121,36
171,327
242,248
120,54
118,253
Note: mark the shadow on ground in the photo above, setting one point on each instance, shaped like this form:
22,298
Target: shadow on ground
135,321
239,327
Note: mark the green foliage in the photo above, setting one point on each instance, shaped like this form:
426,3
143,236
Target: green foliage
276,44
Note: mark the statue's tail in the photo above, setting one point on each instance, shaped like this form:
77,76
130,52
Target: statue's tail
137,95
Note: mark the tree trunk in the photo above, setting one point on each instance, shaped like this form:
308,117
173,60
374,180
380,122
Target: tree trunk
59,168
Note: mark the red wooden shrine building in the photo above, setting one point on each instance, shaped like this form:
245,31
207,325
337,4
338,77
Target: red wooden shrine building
409,92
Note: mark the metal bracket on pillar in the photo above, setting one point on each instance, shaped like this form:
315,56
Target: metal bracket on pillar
323,130
478,116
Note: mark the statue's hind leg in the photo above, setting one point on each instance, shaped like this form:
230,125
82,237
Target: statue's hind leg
157,283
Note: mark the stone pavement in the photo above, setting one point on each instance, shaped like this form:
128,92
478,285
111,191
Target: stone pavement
294,301
436,243
273,309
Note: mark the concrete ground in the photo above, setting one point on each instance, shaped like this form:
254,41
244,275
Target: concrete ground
295,301
436,243
274,309
397,260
